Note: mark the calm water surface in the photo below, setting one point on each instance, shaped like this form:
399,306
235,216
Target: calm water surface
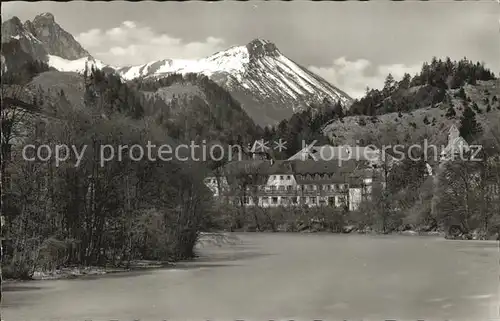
285,276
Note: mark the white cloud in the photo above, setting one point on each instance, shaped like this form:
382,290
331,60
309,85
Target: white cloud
133,44
91,38
354,76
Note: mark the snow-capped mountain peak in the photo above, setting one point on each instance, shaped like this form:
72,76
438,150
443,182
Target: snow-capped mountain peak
258,48
268,85
233,59
257,74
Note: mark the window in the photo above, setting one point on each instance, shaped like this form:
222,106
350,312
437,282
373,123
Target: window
265,200
303,200
288,177
346,186
312,200
315,187
289,188
281,188
273,188
281,178
274,200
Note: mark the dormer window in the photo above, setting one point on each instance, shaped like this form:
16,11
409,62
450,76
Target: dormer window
288,177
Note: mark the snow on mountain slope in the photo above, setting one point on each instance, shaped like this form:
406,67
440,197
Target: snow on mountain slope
77,65
286,76
232,60
269,85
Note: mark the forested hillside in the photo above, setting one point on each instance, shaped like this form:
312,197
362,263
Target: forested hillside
80,211
193,107
427,88
409,110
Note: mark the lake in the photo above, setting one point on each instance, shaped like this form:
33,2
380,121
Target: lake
277,276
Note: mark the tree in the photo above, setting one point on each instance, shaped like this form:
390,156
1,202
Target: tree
388,83
405,82
469,127
89,214
338,110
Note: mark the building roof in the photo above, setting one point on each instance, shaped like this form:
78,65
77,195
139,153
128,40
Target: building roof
313,167
344,153
331,172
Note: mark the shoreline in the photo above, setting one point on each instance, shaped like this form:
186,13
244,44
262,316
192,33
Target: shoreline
220,238
75,272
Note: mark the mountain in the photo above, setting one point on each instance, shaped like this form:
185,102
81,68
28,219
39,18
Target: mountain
56,40
269,86
14,31
45,40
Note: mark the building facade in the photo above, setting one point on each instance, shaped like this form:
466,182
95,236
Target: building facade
269,183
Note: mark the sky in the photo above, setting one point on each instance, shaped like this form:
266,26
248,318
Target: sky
353,45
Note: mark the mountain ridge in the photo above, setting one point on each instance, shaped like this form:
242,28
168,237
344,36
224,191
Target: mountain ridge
45,37
269,86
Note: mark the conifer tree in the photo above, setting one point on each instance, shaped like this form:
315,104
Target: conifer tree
469,127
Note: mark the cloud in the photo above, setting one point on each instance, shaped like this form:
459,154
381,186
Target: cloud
354,76
133,44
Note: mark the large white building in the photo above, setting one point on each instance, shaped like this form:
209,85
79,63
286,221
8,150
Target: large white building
294,182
